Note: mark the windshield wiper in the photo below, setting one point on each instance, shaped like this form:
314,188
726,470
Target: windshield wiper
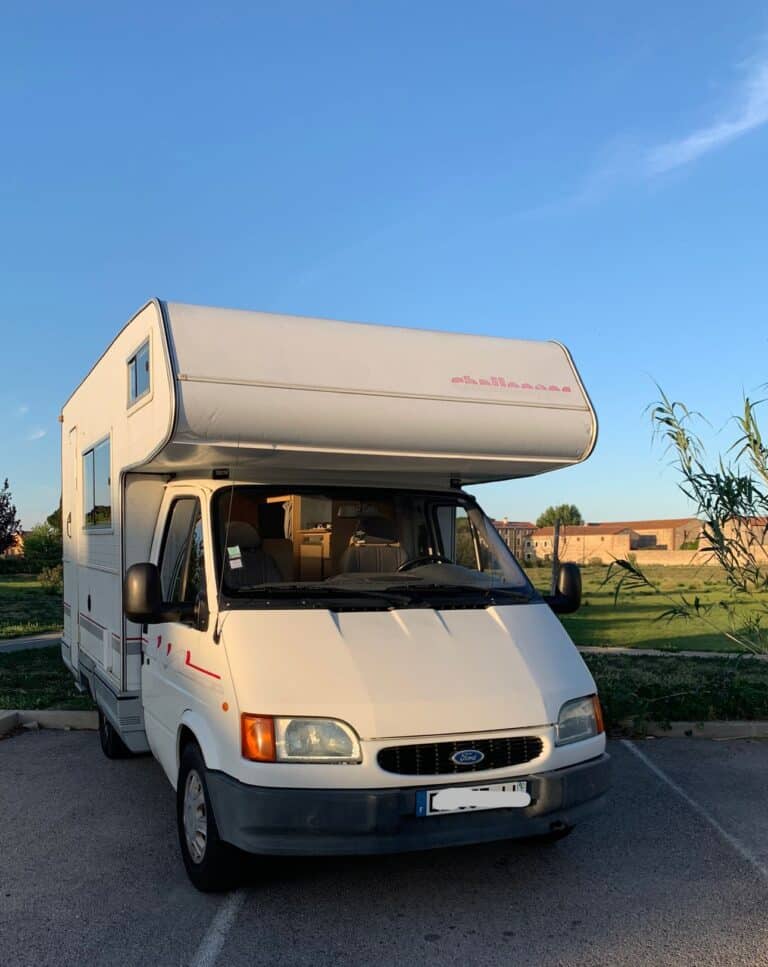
298,591
464,590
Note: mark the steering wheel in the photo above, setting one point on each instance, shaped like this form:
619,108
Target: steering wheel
424,559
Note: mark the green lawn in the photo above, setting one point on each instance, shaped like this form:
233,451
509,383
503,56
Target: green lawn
634,621
26,609
38,679
668,688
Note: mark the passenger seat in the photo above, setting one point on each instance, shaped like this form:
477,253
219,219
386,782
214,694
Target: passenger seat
373,548
258,567
280,549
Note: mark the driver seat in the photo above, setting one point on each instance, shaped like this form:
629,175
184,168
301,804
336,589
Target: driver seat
373,548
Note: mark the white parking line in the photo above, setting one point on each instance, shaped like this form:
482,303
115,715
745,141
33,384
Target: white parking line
744,851
218,930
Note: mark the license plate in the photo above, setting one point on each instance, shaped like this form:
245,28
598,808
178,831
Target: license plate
456,799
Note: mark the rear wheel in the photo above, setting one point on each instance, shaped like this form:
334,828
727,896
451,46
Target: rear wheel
212,865
112,745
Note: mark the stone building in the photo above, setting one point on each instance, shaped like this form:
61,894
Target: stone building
516,535
604,542
670,534
584,544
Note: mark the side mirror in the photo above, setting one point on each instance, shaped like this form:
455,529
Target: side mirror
143,598
567,599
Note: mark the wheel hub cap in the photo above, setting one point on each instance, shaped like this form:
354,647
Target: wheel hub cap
195,817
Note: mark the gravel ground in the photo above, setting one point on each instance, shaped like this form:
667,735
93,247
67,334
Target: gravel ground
668,874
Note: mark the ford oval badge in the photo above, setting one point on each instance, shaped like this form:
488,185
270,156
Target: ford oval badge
467,757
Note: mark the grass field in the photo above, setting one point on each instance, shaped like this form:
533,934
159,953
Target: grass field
634,621
38,679
26,609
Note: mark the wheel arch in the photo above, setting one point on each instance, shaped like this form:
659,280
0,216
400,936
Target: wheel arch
194,728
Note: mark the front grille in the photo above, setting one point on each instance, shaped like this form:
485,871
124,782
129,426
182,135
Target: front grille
434,758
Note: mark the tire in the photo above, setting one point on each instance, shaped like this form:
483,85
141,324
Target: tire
112,745
211,864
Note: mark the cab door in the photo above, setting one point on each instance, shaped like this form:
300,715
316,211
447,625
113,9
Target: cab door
182,666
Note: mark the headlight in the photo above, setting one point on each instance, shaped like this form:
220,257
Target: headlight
268,739
580,719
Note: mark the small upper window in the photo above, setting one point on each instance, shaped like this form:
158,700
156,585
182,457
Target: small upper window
138,374
97,486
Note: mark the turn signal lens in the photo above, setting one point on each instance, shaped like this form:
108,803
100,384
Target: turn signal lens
598,714
258,737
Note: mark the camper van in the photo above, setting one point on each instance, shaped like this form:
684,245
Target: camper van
276,582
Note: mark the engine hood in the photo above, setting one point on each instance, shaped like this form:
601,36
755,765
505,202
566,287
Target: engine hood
408,672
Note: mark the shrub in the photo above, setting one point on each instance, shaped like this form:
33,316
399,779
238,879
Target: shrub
11,566
42,546
52,579
635,691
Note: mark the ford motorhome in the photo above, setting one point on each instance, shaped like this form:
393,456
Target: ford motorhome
276,583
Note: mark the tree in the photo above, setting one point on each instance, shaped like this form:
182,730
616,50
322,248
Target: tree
731,500
10,525
42,546
54,519
565,513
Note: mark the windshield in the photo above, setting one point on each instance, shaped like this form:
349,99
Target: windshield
353,548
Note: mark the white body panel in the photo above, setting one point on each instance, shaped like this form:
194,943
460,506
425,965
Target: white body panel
281,394
93,558
403,675
280,398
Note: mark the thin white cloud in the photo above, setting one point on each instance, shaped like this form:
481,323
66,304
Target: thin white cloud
749,111
22,409
37,434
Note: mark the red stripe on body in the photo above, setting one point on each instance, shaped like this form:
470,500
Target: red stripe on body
188,663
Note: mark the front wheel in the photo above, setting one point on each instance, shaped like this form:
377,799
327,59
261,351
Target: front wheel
212,865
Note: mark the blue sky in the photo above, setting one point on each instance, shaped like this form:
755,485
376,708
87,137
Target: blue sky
593,173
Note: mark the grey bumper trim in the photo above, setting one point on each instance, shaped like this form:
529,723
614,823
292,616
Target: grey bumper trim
267,820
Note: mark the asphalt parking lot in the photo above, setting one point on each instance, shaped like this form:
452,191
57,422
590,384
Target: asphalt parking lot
675,871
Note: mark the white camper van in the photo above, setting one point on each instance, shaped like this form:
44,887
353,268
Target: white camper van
275,583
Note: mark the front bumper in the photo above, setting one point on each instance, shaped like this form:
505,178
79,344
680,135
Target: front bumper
282,821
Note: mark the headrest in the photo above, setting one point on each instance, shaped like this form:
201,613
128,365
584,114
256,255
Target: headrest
243,535
375,530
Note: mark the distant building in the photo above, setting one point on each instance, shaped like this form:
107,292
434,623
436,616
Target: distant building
516,535
670,534
585,543
751,532
604,542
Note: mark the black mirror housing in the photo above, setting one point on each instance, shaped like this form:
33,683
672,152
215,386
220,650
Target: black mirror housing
143,600
142,594
568,596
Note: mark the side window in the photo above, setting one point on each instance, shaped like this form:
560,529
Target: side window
97,486
457,536
182,567
138,374
465,541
